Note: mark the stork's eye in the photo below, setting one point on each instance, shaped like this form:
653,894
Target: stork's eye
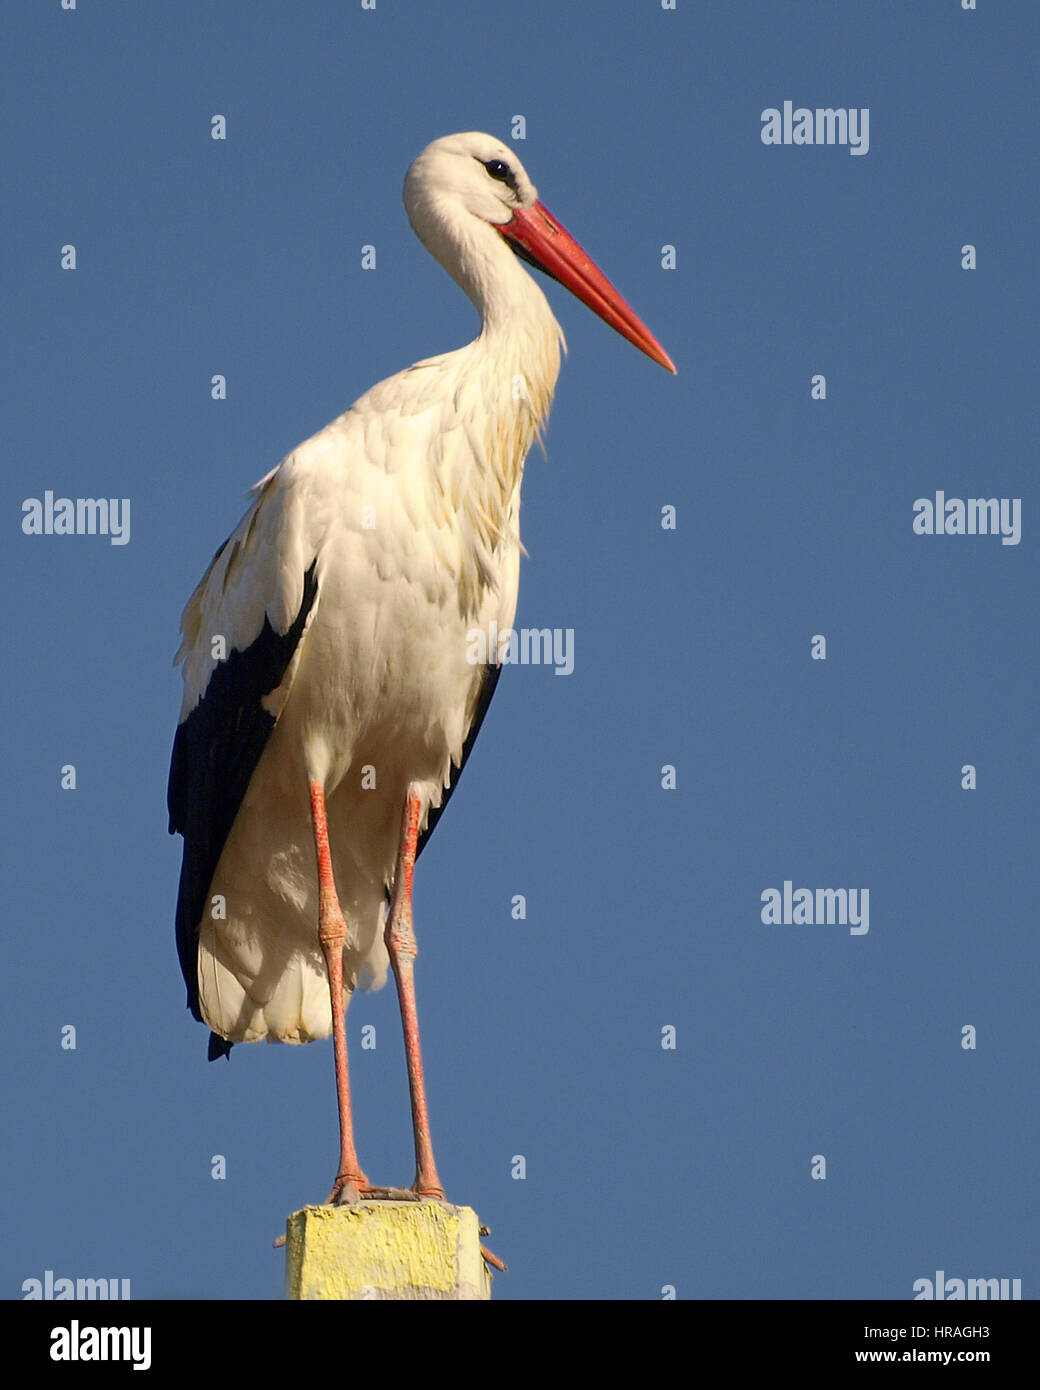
498,169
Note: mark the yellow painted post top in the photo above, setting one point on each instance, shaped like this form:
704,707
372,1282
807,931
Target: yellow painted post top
385,1250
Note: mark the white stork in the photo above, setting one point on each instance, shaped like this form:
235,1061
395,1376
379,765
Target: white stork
329,705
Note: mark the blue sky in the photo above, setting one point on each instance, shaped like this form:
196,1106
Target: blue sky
645,1167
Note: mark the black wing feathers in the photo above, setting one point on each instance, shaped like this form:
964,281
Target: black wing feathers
215,753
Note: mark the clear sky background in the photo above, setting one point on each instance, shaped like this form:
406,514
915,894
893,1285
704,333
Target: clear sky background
645,1167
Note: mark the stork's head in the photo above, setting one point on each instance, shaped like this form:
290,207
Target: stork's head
468,194
475,171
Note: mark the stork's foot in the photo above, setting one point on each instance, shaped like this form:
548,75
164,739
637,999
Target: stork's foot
346,1190
349,1190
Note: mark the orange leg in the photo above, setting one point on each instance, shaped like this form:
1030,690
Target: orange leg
332,933
400,942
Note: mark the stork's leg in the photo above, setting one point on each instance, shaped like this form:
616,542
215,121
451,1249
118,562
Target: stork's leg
332,933
400,942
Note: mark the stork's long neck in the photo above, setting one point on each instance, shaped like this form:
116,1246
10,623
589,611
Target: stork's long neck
519,345
516,358
509,370
517,354
503,386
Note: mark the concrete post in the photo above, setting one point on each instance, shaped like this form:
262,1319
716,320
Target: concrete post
385,1250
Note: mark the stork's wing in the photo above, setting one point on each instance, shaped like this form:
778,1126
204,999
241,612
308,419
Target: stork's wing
243,629
487,689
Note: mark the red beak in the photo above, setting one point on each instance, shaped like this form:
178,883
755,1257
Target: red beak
540,239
